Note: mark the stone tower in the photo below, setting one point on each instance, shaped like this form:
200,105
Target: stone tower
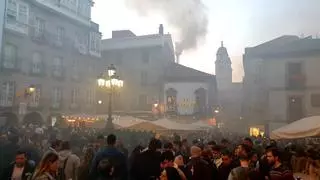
223,69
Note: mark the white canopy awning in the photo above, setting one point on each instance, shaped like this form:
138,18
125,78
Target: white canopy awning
172,125
306,127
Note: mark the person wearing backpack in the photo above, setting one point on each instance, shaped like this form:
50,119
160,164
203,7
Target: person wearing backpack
69,163
109,162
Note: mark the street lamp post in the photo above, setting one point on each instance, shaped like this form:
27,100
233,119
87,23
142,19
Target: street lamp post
111,82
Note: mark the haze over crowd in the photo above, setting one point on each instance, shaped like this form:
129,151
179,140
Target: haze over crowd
238,23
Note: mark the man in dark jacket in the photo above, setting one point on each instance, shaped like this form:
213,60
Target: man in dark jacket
7,150
226,166
200,168
114,158
146,166
19,169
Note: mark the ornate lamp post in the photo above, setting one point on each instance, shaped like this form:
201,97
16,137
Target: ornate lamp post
111,82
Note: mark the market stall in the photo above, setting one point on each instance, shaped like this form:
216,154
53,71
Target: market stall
172,125
146,126
306,127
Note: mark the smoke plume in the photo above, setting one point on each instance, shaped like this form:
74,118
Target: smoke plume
187,16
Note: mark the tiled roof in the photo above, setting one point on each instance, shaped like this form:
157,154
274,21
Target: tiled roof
176,71
285,44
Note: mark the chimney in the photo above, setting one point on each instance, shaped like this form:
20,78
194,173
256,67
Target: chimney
161,29
178,57
178,52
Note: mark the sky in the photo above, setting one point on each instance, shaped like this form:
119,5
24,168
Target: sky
238,23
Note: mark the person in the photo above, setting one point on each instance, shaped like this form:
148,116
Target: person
146,165
110,159
170,170
122,149
226,166
244,171
55,147
200,168
278,170
100,142
8,150
47,168
248,141
20,169
68,162
207,155
84,169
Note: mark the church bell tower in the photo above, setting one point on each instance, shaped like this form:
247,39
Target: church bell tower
223,69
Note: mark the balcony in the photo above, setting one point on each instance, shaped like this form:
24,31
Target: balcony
37,72
58,73
10,65
60,7
295,82
38,36
16,26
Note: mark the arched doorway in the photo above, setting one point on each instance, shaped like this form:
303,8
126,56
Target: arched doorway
200,101
171,100
8,119
34,118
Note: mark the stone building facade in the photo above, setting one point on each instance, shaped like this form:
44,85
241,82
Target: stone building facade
54,46
141,62
281,81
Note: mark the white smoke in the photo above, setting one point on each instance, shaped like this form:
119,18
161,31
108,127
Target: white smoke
187,16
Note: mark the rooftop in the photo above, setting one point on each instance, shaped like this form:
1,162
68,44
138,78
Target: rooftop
129,40
179,72
285,44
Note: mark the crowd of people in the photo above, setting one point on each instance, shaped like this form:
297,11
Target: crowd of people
74,154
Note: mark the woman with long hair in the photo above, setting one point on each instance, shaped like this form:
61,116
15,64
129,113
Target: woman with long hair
86,164
47,168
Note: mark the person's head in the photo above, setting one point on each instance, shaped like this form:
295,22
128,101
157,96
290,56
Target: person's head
111,140
212,143
273,156
207,153
48,164
65,145
242,149
224,142
216,151
245,158
21,158
155,144
100,140
254,157
167,156
226,158
273,143
195,151
56,144
248,141
168,146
